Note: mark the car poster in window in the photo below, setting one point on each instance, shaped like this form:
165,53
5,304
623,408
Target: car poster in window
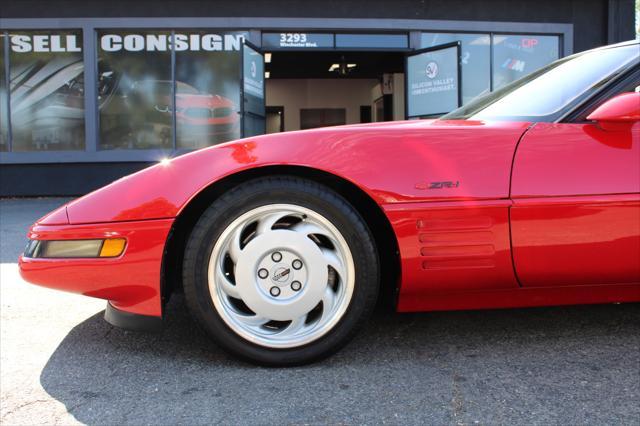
46,80
140,96
208,89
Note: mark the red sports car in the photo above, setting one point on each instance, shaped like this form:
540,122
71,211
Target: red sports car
282,243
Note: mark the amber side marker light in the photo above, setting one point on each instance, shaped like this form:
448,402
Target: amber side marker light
113,247
66,249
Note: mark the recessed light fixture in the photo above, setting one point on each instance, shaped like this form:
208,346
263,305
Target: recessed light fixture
267,74
334,67
267,58
343,67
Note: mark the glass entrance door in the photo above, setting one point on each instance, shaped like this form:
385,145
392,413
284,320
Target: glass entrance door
253,91
433,81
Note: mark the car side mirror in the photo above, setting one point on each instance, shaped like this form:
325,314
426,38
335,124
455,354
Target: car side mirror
618,113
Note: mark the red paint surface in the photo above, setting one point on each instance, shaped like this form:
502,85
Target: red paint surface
624,107
521,298
576,159
452,246
56,217
577,240
576,213
573,202
131,282
385,160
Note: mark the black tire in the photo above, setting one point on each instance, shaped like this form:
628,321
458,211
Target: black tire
291,190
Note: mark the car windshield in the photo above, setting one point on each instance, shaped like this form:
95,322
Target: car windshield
547,94
165,88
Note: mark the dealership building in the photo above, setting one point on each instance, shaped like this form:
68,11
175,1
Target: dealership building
91,91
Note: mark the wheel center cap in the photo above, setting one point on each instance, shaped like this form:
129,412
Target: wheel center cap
299,274
281,275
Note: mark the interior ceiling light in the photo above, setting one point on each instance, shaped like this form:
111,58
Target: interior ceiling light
342,68
267,74
267,58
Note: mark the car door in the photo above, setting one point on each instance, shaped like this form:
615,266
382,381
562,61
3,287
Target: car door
575,218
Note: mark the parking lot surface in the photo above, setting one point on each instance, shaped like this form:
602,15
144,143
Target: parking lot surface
60,363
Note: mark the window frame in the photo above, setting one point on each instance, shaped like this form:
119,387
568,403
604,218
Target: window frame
562,52
172,94
254,27
563,48
578,115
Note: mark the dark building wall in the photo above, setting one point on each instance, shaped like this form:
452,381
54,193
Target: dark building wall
596,22
18,180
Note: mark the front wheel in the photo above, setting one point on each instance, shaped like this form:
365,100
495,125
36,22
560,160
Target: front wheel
281,271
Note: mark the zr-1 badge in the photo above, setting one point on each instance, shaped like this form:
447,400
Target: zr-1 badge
438,185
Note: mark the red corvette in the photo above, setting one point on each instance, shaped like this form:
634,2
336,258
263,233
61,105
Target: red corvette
528,196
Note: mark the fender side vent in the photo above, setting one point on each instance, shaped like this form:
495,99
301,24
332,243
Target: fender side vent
459,243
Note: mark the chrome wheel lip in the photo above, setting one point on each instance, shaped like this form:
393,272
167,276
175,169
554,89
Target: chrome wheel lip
327,321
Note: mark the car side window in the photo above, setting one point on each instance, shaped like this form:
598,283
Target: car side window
628,85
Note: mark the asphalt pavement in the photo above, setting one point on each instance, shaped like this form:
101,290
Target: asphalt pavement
61,363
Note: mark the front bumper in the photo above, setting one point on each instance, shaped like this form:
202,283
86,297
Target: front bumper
130,282
129,321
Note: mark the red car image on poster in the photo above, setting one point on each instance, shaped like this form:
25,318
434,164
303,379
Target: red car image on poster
48,107
282,243
202,119
206,115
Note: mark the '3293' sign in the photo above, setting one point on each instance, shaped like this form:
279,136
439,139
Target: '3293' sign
286,38
295,40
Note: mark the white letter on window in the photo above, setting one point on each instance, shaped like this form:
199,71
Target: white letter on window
211,42
232,41
195,42
71,44
40,43
156,42
111,43
180,42
133,43
20,43
56,45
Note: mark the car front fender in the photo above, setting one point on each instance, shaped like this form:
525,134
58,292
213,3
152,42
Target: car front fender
392,163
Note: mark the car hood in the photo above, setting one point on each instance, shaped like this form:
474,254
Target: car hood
203,101
391,161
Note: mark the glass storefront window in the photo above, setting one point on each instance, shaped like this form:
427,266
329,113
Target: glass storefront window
375,41
475,57
433,81
4,116
135,89
207,91
515,56
46,80
158,89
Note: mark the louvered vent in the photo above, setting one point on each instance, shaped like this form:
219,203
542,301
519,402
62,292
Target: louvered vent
458,243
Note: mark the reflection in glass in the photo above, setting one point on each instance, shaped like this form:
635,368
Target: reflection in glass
372,41
46,79
474,57
589,72
515,56
207,97
135,96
